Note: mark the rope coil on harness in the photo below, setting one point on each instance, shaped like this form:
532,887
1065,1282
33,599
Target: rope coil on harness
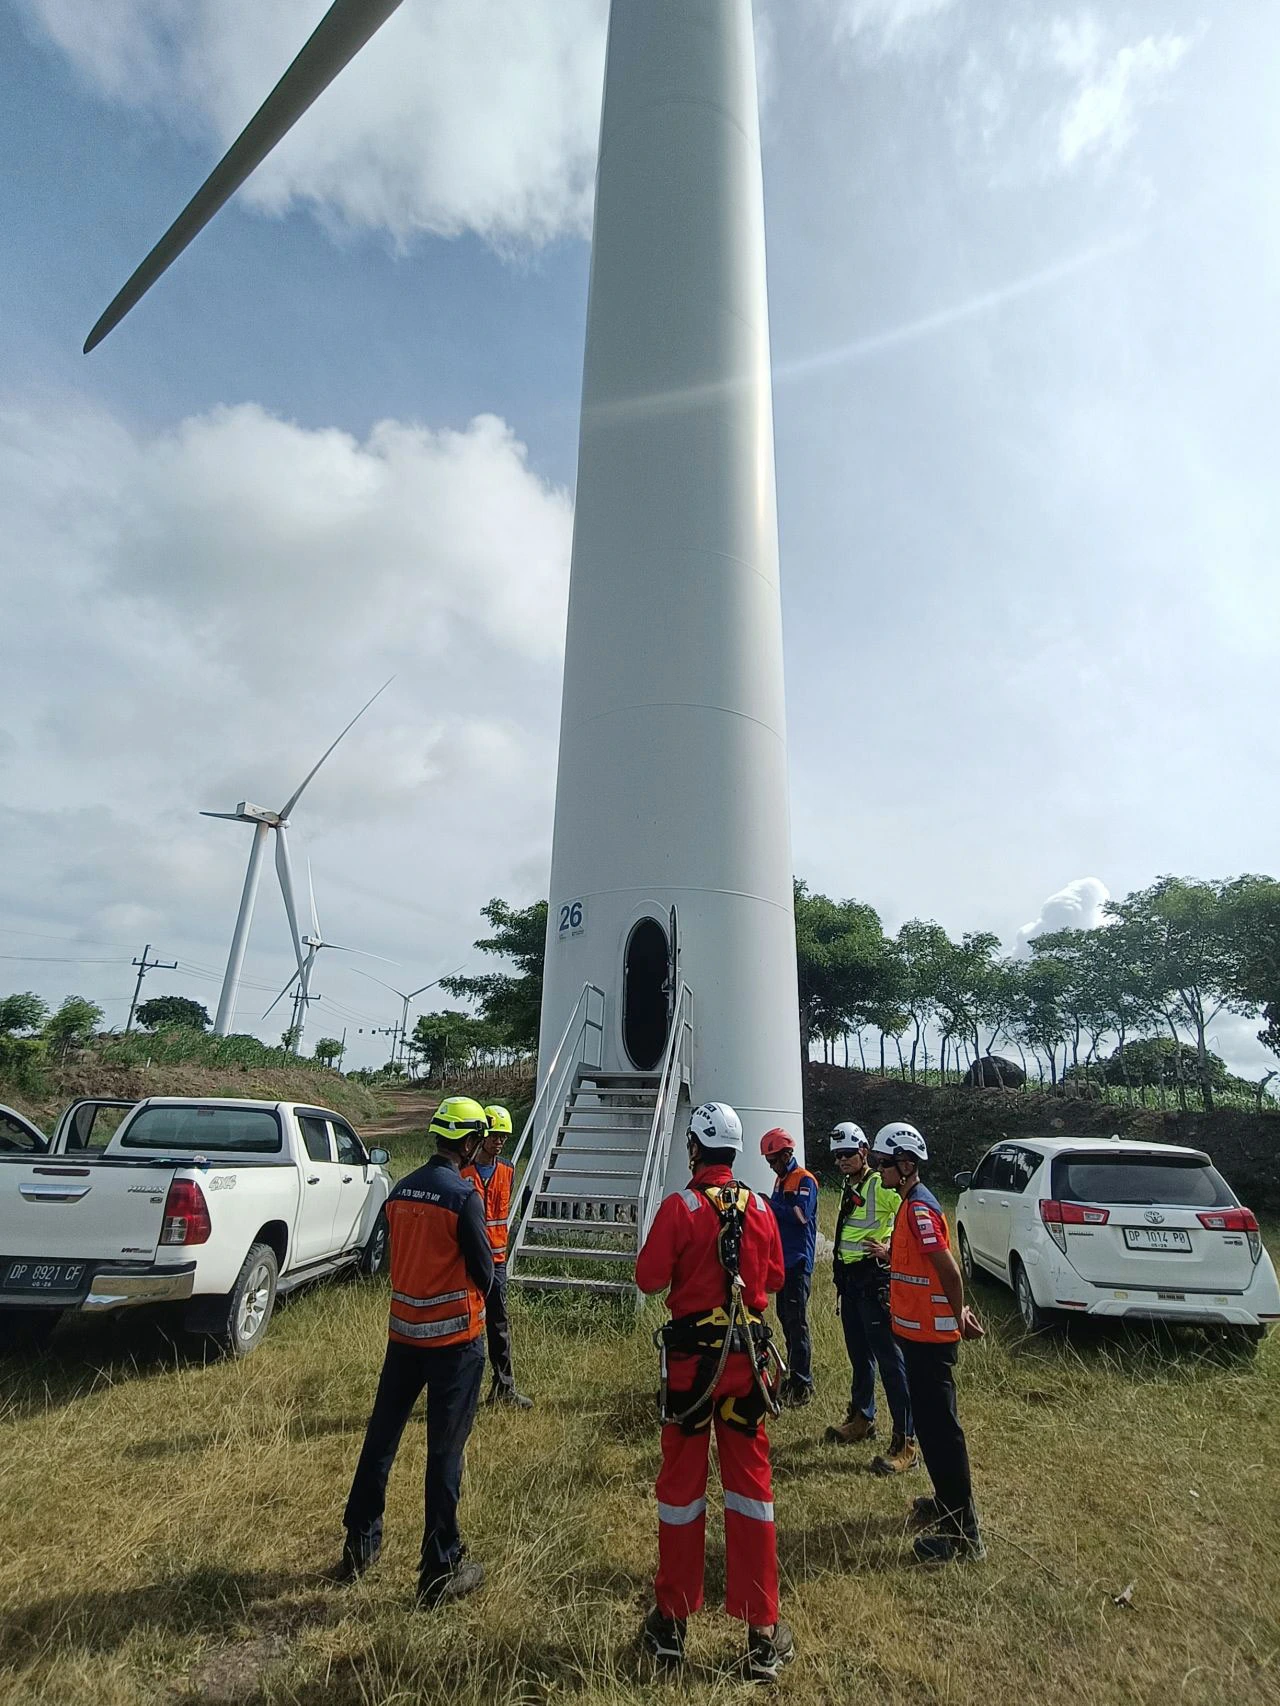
721,1331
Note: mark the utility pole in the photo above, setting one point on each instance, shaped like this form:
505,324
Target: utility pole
145,965
342,1052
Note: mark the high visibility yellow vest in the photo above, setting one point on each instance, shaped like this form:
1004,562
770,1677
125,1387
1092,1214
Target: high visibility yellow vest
867,1211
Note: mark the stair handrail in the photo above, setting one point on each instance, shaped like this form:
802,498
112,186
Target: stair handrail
676,1072
540,1127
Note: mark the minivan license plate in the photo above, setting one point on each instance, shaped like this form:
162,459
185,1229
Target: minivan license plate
1156,1238
31,1275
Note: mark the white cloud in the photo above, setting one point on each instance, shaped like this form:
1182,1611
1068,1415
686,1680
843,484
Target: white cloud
458,115
1102,116
191,616
887,21
1078,906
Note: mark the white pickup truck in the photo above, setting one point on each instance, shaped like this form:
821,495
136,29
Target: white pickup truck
212,1206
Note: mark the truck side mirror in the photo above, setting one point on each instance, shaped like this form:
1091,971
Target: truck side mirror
378,1157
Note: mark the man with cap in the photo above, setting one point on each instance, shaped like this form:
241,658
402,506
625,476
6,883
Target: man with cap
864,1226
493,1177
930,1317
795,1206
441,1272
714,1249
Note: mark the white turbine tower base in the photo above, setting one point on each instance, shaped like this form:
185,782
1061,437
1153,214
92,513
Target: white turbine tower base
672,788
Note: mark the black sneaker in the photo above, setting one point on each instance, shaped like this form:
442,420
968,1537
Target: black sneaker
355,1560
966,1548
663,1637
766,1654
509,1395
464,1578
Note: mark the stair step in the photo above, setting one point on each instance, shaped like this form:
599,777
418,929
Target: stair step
558,1223
633,1128
642,1080
576,1252
565,1153
557,1282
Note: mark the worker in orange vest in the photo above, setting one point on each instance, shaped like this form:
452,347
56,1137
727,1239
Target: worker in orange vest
441,1272
494,1177
929,1317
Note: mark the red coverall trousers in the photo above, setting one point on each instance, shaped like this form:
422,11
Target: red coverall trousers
750,1541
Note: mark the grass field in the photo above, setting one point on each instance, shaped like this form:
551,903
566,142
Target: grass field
164,1527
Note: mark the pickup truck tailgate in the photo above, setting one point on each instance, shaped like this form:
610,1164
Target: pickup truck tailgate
99,1212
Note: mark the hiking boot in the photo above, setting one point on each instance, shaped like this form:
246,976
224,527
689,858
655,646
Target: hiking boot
509,1395
357,1557
925,1513
663,1637
768,1651
903,1454
464,1578
963,1548
852,1431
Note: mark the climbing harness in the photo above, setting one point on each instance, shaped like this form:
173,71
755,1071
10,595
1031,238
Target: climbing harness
713,1335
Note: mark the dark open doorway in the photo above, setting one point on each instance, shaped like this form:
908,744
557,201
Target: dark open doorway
644,998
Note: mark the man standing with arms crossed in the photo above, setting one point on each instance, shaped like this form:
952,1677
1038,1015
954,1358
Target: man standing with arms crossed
930,1317
493,1178
441,1271
864,1226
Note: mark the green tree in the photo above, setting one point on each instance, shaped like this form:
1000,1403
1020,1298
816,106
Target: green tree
26,1012
176,1010
1254,908
1038,1017
512,1005
73,1025
922,949
847,971
451,1041
327,1050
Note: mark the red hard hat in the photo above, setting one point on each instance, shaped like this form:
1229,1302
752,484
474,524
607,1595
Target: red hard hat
775,1141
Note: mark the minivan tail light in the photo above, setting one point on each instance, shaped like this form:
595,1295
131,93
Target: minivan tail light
1057,1216
1234,1220
186,1214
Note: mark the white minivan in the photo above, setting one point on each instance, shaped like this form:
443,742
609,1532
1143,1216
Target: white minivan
1144,1231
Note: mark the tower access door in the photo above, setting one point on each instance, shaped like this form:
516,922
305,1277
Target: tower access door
646,980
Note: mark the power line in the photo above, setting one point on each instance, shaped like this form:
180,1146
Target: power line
145,965
59,960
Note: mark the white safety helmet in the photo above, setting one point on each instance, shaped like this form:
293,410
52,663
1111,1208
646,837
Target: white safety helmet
848,1138
900,1139
716,1126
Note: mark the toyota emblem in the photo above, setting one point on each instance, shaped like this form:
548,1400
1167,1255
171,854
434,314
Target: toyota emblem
1154,1216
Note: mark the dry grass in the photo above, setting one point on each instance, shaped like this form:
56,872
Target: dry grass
164,1526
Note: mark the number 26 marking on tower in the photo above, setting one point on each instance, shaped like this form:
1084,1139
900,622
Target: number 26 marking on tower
573,918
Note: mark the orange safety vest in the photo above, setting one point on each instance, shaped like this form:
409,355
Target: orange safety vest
918,1307
434,1300
496,1191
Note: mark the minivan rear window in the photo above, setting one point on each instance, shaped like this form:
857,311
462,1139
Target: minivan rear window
247,1131
1177,1181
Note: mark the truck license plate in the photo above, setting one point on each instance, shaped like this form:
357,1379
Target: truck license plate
31,1275
1151,1238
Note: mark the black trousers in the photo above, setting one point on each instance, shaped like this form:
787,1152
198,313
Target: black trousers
451,1378
498,1329
932,1385
793,1317
863,1290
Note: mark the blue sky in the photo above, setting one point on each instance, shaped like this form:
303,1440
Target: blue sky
1023,267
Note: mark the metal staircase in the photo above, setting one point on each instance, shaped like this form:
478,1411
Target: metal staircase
598,1144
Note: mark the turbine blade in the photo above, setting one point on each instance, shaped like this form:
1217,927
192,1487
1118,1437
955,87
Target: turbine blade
279,998
364,954
311,890
373,979
296,795
231,817
285,873
337,38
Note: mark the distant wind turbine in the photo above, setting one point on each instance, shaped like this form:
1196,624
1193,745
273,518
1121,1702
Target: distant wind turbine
264,820
313,943
406,998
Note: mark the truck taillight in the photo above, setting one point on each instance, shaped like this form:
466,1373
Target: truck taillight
1057,1216
1234,1220
186,1214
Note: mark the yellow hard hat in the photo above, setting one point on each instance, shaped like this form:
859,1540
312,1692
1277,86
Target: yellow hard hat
456,1118
498,1117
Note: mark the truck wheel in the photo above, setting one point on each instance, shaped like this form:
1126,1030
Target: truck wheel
238,1322
26,1332
374,1255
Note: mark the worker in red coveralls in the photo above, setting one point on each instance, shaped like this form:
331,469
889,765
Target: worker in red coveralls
714,1248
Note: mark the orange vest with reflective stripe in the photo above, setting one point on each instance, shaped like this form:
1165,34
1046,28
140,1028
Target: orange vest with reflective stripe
496,1191
434,1300
918,1307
